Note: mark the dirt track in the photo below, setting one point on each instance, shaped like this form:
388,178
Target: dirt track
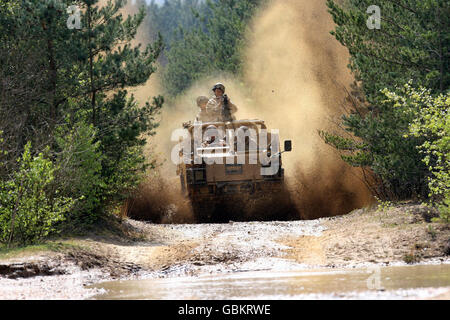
361,238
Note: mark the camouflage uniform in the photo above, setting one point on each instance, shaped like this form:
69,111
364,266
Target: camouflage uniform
203,115
215,106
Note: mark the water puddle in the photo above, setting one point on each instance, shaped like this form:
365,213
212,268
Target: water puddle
393,282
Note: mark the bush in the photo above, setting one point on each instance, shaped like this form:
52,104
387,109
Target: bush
28,212
412,43
381,144
79,171
433,123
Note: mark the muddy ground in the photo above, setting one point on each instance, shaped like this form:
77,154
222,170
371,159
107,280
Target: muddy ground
397,235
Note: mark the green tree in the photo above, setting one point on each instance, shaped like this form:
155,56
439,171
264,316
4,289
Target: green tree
112,64
167,19
215,45
412,43
188,60
79,161
226,27
61,84
433,123
122,131
28,211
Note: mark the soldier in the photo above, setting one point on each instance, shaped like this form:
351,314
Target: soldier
203,114
220,106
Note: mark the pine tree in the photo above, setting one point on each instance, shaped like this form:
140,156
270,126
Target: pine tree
57,78
412,43
215,45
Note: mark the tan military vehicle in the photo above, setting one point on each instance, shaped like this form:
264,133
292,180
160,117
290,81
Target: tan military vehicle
229,172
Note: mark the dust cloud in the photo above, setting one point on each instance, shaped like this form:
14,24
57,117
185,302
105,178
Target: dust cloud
158,198
297,71
294,77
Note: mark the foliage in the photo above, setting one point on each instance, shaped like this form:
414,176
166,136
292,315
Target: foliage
226,29
412,43
188,60
122,133
213,44
433,123
384,206
172,16
65,88
79,171
28,211
385,149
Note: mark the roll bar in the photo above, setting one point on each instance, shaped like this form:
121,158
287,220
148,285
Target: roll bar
227,125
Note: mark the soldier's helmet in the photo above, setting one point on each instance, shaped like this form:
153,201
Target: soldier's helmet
219,86
202,100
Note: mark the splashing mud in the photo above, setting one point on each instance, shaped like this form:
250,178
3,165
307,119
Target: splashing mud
295,75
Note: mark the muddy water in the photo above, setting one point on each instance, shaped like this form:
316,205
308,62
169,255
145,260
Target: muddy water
394,282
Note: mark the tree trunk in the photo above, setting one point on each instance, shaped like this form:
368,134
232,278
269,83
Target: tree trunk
91,66
13,217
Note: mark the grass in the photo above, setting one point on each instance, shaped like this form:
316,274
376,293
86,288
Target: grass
48,246
390,225
109,227
411,258
384,206
432,232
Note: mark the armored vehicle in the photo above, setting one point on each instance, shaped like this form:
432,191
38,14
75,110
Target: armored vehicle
233,171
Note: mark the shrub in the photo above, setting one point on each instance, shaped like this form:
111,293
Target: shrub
79,171
28,212
433,123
